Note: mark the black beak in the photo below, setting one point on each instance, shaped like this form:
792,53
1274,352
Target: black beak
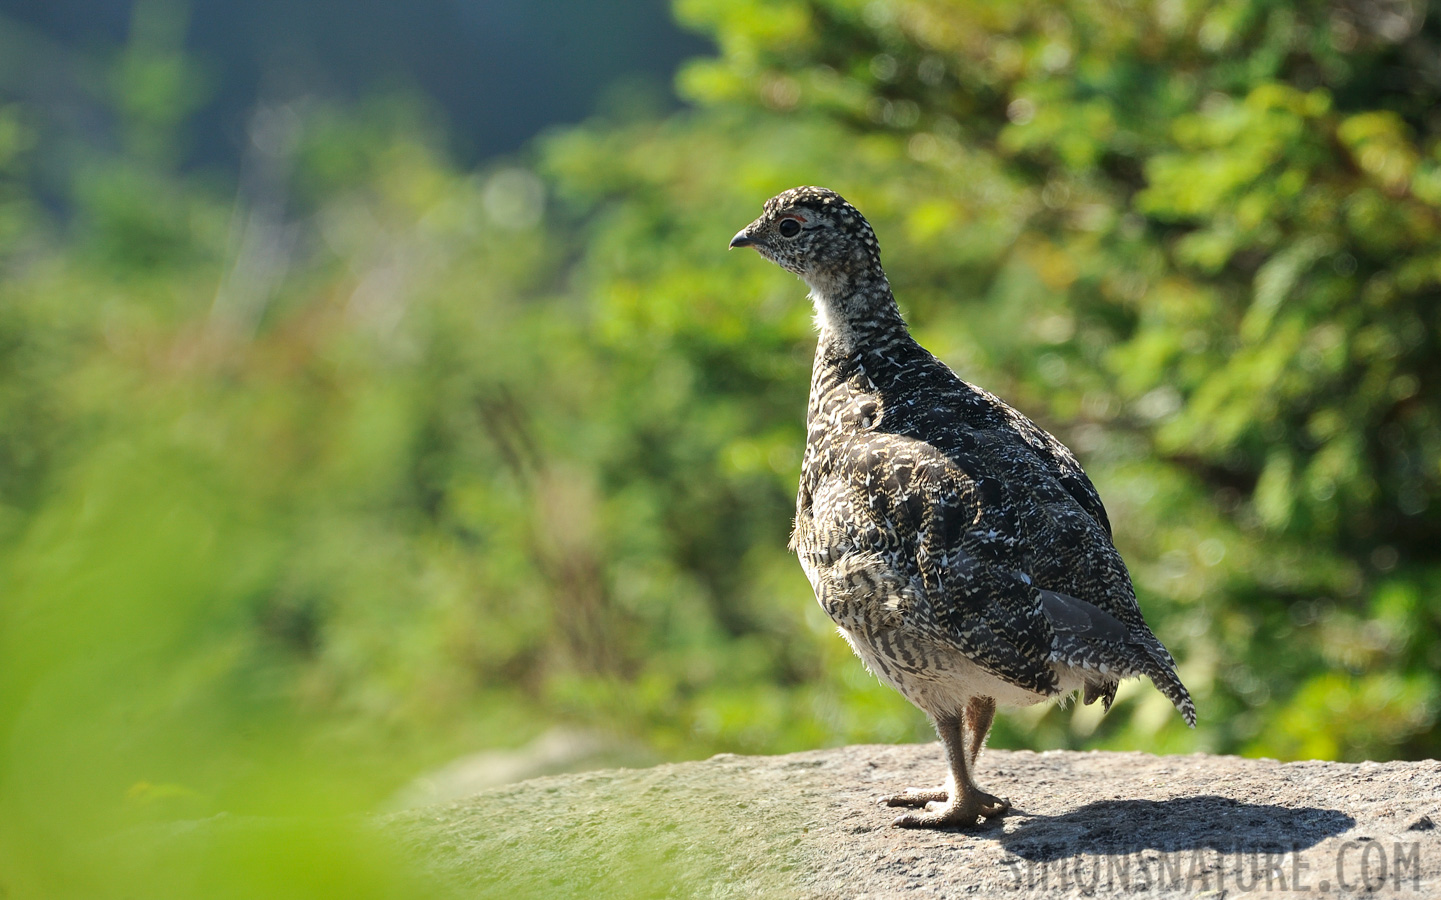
741,240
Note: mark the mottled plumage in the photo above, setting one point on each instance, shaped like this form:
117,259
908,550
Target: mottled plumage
961,549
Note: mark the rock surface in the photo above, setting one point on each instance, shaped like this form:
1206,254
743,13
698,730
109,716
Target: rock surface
808,825
556,751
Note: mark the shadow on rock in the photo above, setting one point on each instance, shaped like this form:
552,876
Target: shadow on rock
1115,827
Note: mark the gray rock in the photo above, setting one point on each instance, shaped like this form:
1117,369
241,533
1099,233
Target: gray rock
557,750
808,825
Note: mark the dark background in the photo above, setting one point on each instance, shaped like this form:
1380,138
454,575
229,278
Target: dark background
499,70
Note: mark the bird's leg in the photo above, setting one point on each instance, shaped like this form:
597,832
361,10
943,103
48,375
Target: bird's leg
980,712
949,729
961,802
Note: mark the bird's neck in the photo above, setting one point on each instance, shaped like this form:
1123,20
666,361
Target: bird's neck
855,312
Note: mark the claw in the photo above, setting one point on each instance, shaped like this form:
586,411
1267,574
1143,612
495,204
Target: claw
992,806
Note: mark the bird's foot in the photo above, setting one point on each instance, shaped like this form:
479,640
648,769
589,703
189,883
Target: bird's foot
965,811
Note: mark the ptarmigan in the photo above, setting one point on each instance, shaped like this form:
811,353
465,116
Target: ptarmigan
961,549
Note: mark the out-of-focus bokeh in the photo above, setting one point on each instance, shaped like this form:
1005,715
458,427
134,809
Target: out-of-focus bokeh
334,447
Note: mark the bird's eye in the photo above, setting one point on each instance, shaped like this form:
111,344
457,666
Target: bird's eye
789,228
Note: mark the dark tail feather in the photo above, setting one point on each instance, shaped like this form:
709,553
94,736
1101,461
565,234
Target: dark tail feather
1161,669
1086,635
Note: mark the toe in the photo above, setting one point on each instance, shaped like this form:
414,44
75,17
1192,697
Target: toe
940,816
915,797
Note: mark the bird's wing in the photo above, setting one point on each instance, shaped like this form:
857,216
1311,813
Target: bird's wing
967,552
964,546
973,562
931,524
1058,461
1054,538
1071,577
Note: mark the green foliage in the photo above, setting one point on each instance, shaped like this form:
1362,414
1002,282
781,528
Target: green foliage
1219,277
382,461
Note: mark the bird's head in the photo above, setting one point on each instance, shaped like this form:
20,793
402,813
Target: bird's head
816,234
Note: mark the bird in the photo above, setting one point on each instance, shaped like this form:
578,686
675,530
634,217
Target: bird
960,548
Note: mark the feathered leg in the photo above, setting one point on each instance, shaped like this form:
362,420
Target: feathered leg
960,802
980,712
